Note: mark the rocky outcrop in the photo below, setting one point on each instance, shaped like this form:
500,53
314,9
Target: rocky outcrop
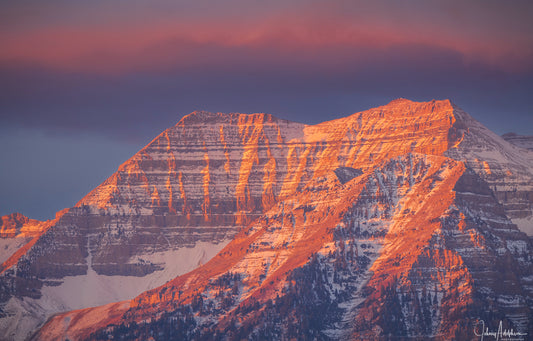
18,225
10,225
345,174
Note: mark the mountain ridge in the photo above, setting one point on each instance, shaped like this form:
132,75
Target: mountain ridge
257,187
522,141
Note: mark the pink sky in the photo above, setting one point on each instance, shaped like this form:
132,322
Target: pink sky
98,37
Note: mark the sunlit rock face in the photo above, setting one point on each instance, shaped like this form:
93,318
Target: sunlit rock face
211,174
397,221
10,225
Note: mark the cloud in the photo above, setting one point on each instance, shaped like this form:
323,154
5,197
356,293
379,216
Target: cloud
124,37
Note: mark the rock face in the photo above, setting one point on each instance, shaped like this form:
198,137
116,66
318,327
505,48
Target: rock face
505,168
407,220
10,225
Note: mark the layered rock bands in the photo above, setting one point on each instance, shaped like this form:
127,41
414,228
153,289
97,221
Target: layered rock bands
408,220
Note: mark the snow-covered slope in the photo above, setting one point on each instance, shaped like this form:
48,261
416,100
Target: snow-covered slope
93,289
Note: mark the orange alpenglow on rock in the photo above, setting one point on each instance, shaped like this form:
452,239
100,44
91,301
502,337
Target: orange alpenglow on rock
405,221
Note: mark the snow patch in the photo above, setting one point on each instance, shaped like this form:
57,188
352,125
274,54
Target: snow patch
517,246
8,246
524,224
92,289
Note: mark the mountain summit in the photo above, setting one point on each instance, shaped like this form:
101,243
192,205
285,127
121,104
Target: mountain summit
406,220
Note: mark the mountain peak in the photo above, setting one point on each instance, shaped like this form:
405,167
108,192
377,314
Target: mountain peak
404,102
199,117
510,135
344,215
522,141
400,100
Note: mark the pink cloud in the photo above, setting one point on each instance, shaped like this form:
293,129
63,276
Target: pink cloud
108,45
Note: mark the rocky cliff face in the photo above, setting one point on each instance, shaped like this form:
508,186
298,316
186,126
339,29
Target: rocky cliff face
405,220
505,167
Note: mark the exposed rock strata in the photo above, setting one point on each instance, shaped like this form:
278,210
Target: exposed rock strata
405,220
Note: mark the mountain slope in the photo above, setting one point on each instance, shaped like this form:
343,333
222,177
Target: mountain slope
400,220
407,212
505,167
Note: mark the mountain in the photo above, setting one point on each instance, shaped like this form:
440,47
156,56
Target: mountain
407,220
521,141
